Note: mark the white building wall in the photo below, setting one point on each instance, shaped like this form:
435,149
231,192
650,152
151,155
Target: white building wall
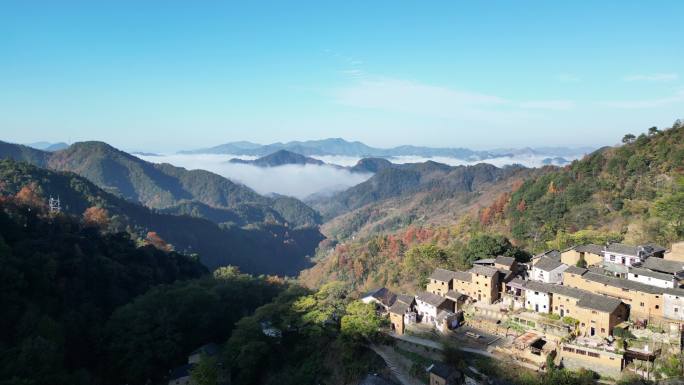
538,301
651,281
621,259
428,311
673,307
554,276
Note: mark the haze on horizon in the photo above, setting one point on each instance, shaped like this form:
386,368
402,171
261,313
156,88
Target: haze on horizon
473,75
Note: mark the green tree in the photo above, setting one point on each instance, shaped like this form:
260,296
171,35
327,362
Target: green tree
206,372
671,209
361,321
628,138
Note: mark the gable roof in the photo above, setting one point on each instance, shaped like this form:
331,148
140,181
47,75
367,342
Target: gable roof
555,254
651,274
621,248
431,299
484,270
484,261
405,298
663,265
547,264
622,283
506,261
599,302
399,308
453,295
382,295
584,298
463,276
576,270
443,275
590,248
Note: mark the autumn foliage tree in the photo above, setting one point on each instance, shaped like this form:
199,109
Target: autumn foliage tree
29,195
155,240
96,217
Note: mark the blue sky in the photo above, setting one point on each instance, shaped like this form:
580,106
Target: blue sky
167,75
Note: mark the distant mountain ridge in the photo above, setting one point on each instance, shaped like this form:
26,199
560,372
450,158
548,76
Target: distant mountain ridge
341,147
47,146
166,187
279,158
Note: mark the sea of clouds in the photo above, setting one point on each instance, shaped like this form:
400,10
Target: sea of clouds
292,180
303,181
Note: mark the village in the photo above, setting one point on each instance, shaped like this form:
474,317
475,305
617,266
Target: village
613,308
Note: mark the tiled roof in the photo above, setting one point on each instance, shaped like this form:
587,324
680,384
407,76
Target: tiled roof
622,283
676,292
463,276
442,275
484,261
554,254
399,308
585,298
576,270
431,299
622,248
506,261
405,298
383,295
547,264
663,265
454,295
652,274
599,302
590,248
484,270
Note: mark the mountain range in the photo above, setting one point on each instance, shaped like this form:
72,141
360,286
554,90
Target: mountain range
173,190
341,147
285,157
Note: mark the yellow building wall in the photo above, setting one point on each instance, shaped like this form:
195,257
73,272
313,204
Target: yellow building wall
676,252
642,305
438,287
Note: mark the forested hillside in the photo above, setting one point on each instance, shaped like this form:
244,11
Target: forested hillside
163,186
59,281
413,194
632,193
264,249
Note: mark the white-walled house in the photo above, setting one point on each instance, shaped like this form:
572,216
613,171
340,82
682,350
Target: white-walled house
548,270
628,255
537,297
652,278
673,304
428,306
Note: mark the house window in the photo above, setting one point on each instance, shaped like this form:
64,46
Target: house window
612,258
641,304
657,306
676,310
637,276
603,330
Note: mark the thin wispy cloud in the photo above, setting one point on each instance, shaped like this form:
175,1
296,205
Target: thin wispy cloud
568,78
557,105
677,98
406,96
656,77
